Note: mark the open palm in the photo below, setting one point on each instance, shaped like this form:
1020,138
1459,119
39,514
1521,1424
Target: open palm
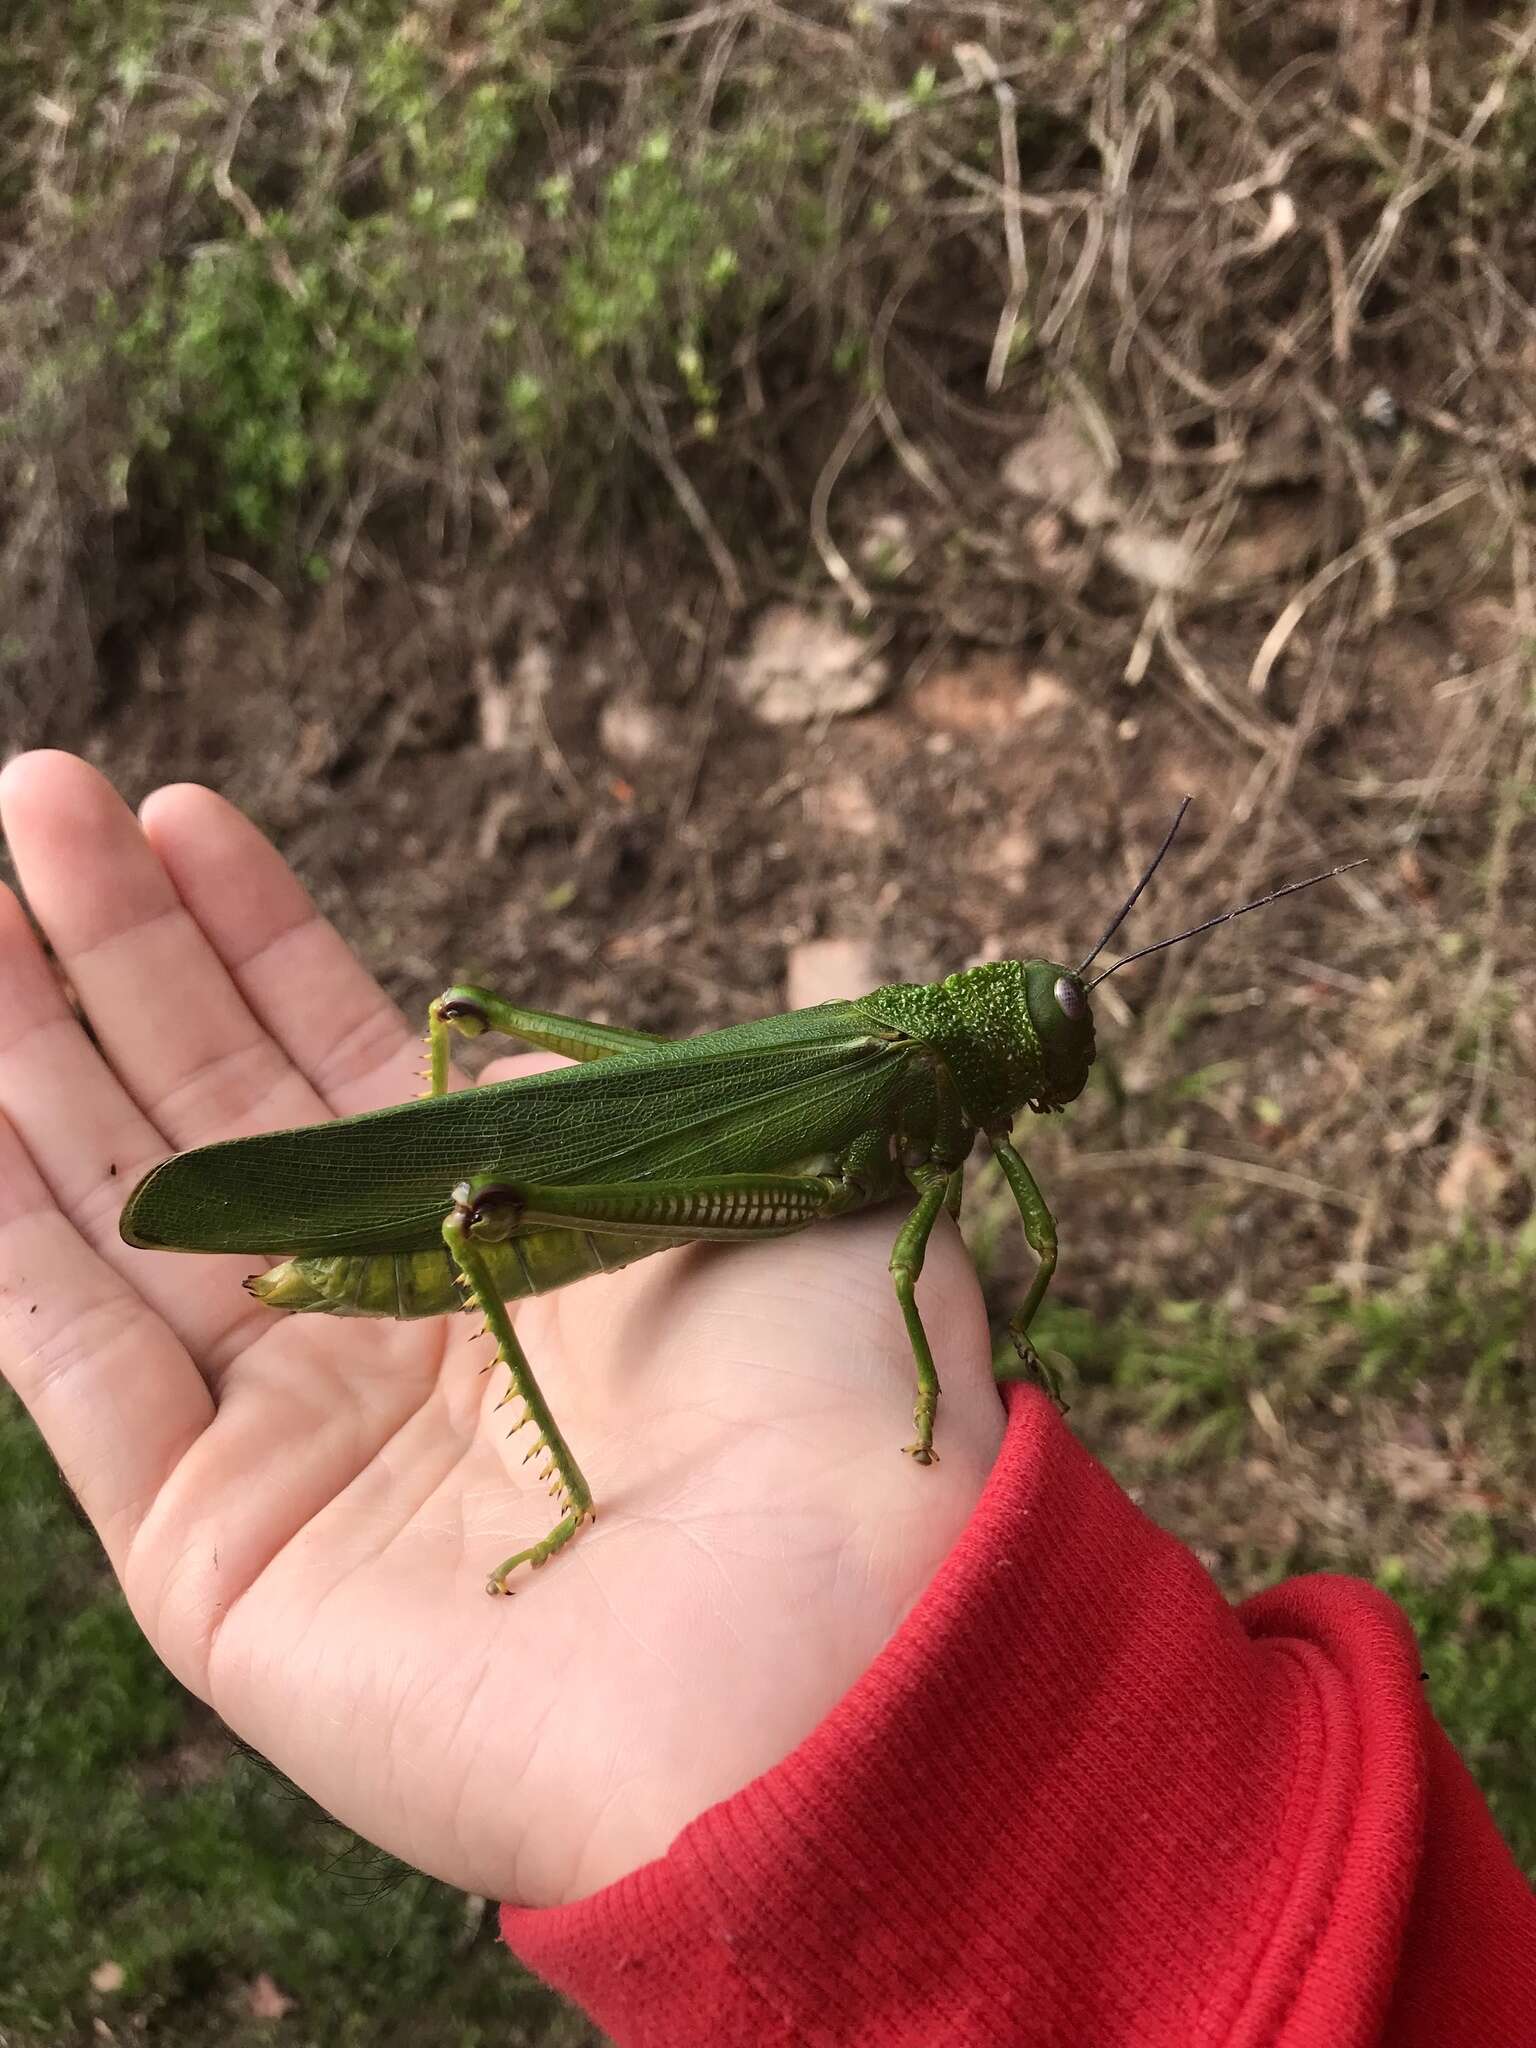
302,1511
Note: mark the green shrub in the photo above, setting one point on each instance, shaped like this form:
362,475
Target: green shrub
296,258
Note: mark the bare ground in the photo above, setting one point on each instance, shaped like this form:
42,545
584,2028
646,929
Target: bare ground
546,782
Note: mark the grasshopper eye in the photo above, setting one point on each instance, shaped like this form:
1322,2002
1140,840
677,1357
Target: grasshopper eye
1070,1000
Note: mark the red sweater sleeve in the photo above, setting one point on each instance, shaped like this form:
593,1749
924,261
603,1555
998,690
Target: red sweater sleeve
1079,1799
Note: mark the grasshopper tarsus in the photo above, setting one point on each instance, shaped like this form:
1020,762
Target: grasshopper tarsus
539,1554
1034,1368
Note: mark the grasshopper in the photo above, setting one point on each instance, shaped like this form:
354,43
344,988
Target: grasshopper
487,1195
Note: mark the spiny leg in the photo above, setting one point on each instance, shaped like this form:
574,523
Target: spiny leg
906,1264
471,1011
1040,1229
570,1487
730,1206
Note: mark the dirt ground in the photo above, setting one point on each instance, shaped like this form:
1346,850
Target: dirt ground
547,781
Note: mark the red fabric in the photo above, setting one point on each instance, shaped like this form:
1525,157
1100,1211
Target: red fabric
1079,1801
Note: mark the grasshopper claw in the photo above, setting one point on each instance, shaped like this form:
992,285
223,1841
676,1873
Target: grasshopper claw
537,1553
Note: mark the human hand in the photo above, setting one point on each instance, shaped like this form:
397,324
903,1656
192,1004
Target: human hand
301,1511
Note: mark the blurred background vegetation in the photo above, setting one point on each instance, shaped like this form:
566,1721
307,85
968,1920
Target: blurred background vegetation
654,504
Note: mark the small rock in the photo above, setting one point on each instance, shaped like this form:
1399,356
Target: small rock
1057,554
1276,541
1474,1178
1043,692
108,1977
988,695
1416,1475
844,805
800,667
829,971
1158,560
885,547
1060,465
1014,855
264,2001
630,730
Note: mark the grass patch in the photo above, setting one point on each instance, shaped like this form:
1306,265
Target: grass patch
291,267
130,1834
359,248
1466,1309
1474,1634
1460,1316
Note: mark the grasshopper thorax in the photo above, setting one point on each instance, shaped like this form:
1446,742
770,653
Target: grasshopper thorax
1013,1034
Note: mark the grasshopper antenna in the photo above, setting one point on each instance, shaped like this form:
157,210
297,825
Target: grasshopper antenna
1226,916
1130,902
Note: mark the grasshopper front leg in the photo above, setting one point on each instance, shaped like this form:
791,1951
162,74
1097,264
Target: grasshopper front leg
471,1011
467,1217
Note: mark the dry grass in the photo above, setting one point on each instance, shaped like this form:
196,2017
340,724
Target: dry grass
284,280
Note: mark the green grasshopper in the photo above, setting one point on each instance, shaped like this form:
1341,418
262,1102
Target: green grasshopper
519,1187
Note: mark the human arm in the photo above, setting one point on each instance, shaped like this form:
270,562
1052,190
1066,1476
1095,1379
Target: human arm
1079,1801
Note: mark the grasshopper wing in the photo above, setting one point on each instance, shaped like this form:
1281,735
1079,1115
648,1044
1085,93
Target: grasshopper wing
757,1097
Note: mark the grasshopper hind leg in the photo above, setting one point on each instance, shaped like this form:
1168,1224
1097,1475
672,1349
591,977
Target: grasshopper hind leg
474,1212
906,1264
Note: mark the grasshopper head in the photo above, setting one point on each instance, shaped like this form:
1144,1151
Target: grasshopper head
1063,1020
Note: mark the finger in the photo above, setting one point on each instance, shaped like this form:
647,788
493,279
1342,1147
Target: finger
291,966
117,1398
172,1023
89,1144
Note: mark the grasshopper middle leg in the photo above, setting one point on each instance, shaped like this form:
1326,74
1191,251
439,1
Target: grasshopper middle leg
1040,1229
906,1264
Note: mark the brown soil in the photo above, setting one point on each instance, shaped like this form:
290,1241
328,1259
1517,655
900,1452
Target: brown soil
549,786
